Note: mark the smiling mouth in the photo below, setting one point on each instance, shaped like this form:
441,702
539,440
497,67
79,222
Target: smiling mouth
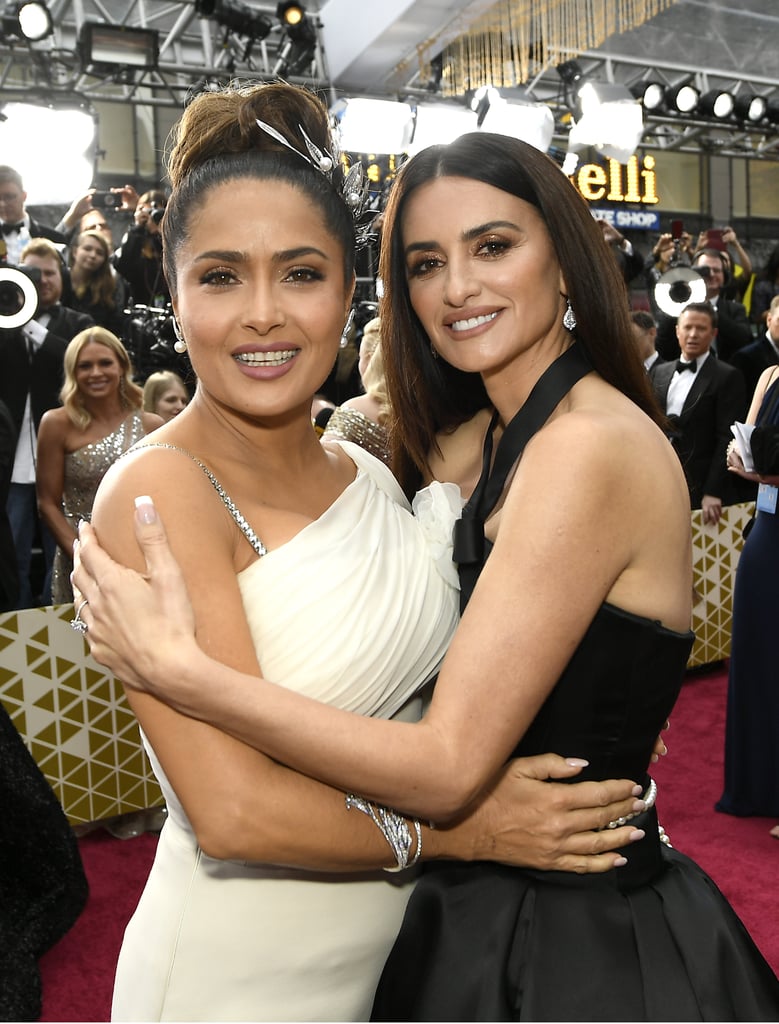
267,358
471,322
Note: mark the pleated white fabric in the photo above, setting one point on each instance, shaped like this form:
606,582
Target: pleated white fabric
356,610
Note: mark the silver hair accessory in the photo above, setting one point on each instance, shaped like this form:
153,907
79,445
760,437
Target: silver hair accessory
393,827
179,344
354,188
569,317
77,622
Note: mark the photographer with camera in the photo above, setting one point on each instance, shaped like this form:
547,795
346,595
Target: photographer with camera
734,330
31,375
139,256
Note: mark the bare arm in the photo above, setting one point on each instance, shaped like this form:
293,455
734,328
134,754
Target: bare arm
244,805
437,767
50,478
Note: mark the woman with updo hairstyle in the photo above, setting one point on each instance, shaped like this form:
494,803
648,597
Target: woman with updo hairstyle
100,418
268,898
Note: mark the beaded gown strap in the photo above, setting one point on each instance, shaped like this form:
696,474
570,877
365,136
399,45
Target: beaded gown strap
227,501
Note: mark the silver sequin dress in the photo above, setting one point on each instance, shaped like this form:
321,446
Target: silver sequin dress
84,469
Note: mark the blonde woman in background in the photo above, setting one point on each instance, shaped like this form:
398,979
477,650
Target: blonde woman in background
363,419
100,418
165,394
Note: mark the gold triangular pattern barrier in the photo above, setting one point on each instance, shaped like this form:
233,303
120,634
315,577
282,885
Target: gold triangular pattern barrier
73,716
715,555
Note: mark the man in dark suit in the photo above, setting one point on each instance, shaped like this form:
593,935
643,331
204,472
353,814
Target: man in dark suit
754,358
733,331
702,396
31,376
17,227
9,574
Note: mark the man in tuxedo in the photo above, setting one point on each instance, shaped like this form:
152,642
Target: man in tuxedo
645,332
16,225
754,358
702,396
31,376
733,331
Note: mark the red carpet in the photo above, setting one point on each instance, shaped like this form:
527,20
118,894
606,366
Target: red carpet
738,853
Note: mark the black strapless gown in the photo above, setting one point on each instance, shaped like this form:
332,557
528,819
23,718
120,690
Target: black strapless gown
654,940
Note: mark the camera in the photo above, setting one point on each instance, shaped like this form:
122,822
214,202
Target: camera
106,201
18,295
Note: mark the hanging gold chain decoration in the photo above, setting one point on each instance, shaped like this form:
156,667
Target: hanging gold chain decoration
508,43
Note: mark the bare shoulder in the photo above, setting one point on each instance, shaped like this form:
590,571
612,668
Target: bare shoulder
182,493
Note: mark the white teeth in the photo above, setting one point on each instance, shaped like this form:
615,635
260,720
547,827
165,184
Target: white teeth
267,358
474,321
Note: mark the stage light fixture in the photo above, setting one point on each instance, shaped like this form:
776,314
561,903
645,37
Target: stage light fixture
30,20
650,94
236,16
750,107
682,98
299,45
570,72
290,14
772,111
103,45
717,103
611,121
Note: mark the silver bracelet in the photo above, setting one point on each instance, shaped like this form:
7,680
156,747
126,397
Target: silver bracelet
393,827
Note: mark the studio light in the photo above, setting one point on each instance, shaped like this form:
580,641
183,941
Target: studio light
29,20
611,121
236,16
677,288
682,98
772,111
33,132
440,123
717,103
651,95
373,126
115,45
525,120
750,107
299,45
290,14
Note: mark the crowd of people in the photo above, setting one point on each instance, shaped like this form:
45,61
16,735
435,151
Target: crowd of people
82,281
231,548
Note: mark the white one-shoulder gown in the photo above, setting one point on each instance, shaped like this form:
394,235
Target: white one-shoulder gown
356,610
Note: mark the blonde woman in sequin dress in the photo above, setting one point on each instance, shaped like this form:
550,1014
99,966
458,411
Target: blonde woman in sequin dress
100,418
363,419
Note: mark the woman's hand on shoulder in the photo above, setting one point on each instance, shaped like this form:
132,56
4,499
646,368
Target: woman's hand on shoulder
124,605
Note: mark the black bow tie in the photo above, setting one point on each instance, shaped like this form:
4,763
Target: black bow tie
680,366
9,229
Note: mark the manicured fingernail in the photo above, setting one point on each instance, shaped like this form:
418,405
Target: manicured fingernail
637,791
620,862
638,806
576,762
636,835
145,510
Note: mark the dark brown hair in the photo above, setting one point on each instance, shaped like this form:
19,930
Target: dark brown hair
427,395
217,139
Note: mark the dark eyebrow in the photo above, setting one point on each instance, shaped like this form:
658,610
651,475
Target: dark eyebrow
284,256
466,236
